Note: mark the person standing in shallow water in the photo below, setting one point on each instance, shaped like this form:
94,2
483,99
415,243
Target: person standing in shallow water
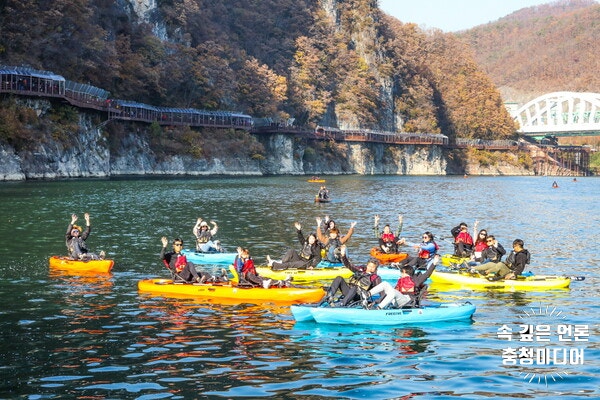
75,240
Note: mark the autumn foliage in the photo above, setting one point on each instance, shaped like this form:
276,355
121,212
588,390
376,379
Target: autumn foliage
336,63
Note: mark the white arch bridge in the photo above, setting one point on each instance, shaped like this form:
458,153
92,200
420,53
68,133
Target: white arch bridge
560,114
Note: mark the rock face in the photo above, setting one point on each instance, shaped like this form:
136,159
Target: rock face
88,153
91,157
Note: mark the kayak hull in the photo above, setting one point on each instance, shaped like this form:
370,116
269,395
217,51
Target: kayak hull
304,275
448,259
360,316
231,292
322,274
198,257
530,283
385,258
67,264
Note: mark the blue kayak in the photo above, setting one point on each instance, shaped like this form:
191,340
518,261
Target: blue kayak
385,272
360,316
329,264
198,257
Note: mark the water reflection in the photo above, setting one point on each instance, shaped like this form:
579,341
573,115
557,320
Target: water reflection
97,337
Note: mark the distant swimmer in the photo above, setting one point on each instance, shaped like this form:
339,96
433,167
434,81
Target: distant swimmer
574,179
554,184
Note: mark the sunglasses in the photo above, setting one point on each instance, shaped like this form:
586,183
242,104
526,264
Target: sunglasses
177,244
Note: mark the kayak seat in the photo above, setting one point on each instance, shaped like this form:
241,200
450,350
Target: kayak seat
416,299
241,282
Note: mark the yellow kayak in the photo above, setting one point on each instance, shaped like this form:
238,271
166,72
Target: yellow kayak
448,259
66,263
305,275
287,295
474,281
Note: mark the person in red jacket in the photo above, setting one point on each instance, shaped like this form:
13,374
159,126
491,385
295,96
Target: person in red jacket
463,241
479,246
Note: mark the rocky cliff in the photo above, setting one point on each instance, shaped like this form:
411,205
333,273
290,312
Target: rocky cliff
88,151
86,146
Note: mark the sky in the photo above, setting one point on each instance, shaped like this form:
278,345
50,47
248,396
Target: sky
453,15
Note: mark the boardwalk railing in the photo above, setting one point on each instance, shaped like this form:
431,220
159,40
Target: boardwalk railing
29,82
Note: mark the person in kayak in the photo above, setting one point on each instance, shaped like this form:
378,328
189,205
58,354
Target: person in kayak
388,240
204,235
364,278
307,258
328,224
180,267
427,249
494,252
479,246
463,241
333,242
514,265
75,240
407,289
244,266
323,193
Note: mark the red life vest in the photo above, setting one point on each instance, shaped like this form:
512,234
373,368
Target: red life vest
426,254
464,237
248,267
480,246
405,285
180,263
388,237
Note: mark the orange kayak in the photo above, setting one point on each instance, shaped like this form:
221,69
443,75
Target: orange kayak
386,258
66,263
218,292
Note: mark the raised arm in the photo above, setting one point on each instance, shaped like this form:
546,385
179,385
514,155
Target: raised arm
475,237
197,227
70,227
164,242
88,226
349,234
299,232
400,224
420,279
322,238
214,229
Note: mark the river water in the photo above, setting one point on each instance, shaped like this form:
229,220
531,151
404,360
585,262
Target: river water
96,337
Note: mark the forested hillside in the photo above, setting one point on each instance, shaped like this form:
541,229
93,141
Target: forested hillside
541,49
336,63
